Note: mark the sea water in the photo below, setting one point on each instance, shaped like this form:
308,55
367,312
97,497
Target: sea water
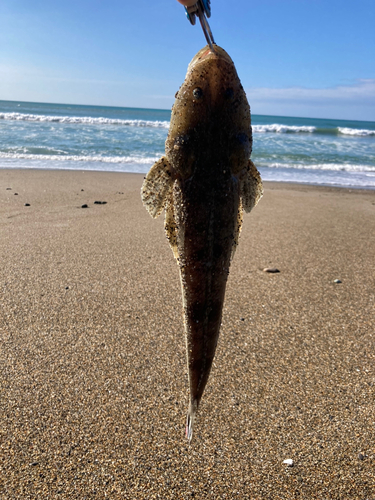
61,136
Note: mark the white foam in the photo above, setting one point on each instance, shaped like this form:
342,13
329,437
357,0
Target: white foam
80,158
335,167
356,131
87,120
283,129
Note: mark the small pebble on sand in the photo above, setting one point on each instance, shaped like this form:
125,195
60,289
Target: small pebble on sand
337,281
289,462
271,270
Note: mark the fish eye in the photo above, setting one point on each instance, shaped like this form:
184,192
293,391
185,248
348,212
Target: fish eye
229,93
198,93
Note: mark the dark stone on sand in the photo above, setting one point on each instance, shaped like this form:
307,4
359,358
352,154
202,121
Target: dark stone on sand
272,270
82,189
100,202
27,204
15,194
85,206
337,281
8,189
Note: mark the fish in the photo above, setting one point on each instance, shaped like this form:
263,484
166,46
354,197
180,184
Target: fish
204,182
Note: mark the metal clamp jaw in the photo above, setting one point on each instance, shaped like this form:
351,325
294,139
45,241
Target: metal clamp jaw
202,9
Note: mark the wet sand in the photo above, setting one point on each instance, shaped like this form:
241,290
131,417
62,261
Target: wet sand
93,376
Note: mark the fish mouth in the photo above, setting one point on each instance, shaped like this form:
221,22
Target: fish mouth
206,54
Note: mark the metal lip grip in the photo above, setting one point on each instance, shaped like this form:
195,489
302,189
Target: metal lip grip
202,9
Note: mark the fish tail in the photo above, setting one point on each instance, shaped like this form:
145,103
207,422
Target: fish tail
190,419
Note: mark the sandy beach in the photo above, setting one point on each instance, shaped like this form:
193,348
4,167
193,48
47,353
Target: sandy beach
93,377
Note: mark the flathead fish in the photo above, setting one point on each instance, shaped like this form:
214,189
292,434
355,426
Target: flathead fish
204,182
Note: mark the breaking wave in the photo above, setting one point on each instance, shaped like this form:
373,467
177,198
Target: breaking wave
80,158
283,129
356,131
305,129
336,167
149,160
276,128
86,120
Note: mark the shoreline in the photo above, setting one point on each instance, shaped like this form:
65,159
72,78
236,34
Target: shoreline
368,189
94,386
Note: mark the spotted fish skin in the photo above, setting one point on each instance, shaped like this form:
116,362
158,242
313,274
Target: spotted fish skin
204,182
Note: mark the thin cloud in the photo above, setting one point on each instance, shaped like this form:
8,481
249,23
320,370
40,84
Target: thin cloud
356,101
363,90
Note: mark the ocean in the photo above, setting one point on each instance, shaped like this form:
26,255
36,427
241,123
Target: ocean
62,136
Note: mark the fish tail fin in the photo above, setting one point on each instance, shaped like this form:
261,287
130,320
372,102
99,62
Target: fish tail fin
190,419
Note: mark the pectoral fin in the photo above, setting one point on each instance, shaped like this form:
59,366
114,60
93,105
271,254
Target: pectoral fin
156,186
238,229
251,188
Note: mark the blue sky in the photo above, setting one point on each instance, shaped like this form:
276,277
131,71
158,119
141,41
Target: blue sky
310,58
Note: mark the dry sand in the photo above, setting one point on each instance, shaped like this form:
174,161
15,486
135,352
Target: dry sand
92,354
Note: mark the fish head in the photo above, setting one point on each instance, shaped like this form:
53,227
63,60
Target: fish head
210,121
